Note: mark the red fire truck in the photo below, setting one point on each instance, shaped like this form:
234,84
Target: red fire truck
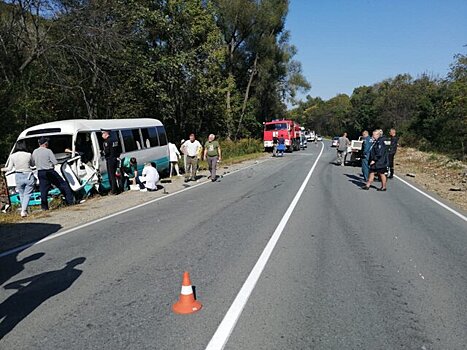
286,128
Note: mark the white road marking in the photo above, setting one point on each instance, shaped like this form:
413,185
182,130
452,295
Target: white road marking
59,234
433,199
223,332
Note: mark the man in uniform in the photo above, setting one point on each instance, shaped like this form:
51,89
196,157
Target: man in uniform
111,152
392,151
366,148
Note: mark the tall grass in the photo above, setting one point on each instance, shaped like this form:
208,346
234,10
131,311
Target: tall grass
232,149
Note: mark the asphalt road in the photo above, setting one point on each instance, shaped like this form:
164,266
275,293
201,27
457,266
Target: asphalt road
353,269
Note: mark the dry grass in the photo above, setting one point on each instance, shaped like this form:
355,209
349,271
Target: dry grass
435,172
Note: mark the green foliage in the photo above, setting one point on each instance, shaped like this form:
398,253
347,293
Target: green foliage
200,66
428,113
231,149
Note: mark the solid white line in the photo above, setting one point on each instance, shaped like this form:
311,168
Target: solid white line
59,234
223,332
433,199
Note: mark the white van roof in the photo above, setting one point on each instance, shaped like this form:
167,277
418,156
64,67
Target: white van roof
72,125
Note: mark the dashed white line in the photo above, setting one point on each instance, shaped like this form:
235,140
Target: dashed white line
223,332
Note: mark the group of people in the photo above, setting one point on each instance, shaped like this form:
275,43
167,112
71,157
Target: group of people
193,152
43,159
377,158
121,172
278,146
124,172
378,154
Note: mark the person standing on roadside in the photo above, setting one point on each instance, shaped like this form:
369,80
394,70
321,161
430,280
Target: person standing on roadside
378,161
20,161
111,153
191,148
275,142
342,146
44,160
366,147
213,154
174,156
392,151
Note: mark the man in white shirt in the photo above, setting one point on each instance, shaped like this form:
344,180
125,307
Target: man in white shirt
149,177
192,149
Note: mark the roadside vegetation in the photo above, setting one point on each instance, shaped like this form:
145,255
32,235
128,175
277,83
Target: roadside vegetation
429,113
216,66
436,172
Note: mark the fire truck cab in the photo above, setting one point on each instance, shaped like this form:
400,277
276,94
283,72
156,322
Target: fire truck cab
286,128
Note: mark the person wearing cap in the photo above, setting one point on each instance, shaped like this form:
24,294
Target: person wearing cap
111,153
45,161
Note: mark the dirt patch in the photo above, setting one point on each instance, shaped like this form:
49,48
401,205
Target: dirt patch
434,172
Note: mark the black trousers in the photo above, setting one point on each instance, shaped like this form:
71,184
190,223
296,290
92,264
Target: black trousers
391,164
51,177
112,165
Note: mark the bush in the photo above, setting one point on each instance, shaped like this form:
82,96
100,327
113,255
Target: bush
231,149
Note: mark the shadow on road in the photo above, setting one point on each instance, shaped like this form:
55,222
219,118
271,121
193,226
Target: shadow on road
356,180
18,234
11,266
33,291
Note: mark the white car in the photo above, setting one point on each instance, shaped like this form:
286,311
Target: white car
335,141
319,138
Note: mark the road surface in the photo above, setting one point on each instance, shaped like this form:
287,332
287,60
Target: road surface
351,269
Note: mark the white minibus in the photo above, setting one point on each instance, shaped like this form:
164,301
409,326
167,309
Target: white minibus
77,145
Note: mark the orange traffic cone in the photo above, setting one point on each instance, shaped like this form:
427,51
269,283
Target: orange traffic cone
186,304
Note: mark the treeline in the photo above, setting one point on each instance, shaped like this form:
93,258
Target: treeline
429,113
221,66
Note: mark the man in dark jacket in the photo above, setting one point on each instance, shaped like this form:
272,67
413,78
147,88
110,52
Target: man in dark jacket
366,147
392,151
111,153
378,161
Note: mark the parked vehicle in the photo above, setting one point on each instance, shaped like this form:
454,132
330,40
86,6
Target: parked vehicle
286,128
77,145
335,141
354,152
310,135
303,140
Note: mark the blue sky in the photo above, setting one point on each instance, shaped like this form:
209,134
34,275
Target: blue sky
345,44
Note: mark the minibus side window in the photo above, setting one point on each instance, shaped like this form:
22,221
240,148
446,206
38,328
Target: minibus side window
150,137
128,140
137,138
162,135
